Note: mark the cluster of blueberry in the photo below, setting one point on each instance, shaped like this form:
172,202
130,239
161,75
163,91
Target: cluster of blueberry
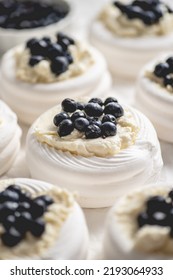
30,14
159,211
19,213
149,11
95,119
56,52
165,71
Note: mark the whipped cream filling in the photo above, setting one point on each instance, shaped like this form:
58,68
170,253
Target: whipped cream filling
41,72
149,239
77,144
121,26
54,218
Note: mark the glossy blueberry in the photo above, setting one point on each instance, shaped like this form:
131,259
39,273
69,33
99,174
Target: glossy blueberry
65,128
69,57
109,118
92,131
38,208
37,227
61,37
9,222
96,100
169,61
59,65
108,129
11,237
142,219
109,100
15,188
23,221
31,42
93,110
94,120
39,48
25,197
59,118
34,60
46,39
159,218
24,206
157,203
47,199
9,195
80,106
168,80
69,105
7,208
149,18
161,70
54,50
114,109
81,124
77,115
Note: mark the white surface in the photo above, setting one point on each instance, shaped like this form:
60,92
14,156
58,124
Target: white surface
125,92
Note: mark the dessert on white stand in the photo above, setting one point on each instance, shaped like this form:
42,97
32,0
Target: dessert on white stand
42,73
130,33
10,137
139,226
40,221
100,150
154,94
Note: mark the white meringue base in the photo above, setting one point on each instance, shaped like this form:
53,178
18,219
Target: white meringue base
117,245
10,138
156,102
72,242
23,96
126,56
99,181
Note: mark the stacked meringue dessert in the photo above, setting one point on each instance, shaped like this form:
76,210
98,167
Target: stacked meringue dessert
42,72
129,34
154,94
98,148
10,137
140,226
36,219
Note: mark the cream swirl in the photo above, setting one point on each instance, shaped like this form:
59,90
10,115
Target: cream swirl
99,180
23,96
122,239
69,213
155,101
10,137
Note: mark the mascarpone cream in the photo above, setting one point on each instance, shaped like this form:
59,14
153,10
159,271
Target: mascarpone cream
80,80
10,137
126,52
98,180
124,240
155,100
55,243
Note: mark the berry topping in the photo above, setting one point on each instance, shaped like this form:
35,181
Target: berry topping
77,115
37,228
7,208
80,106
109,100
81,124
9,195
54,50
64,39
59,65
169,61
168,81
95,121
109,118
114,109
65,128
108,129
11,237
47,199
69,105
96,100
34,60
92,131
60,117
9,222
93,110
161,70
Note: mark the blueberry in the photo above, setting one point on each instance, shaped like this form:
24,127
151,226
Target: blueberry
81,124
59,118
168,80
38,208
59,65
61,36
39,48
11,237
47,199
77,115
142,219
23,221
158,12
15,188
134,12
114,109
157,203
108,129
46,39
109,100
149,18
37,227
9,195
109,118
92,131
65,128
159,218
80,106
161,70
6,209
34,60
25,197
69,105
31,42
69,57
54,50
170,194
24,206
96,100
169,61
9,222
95,121
93,110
